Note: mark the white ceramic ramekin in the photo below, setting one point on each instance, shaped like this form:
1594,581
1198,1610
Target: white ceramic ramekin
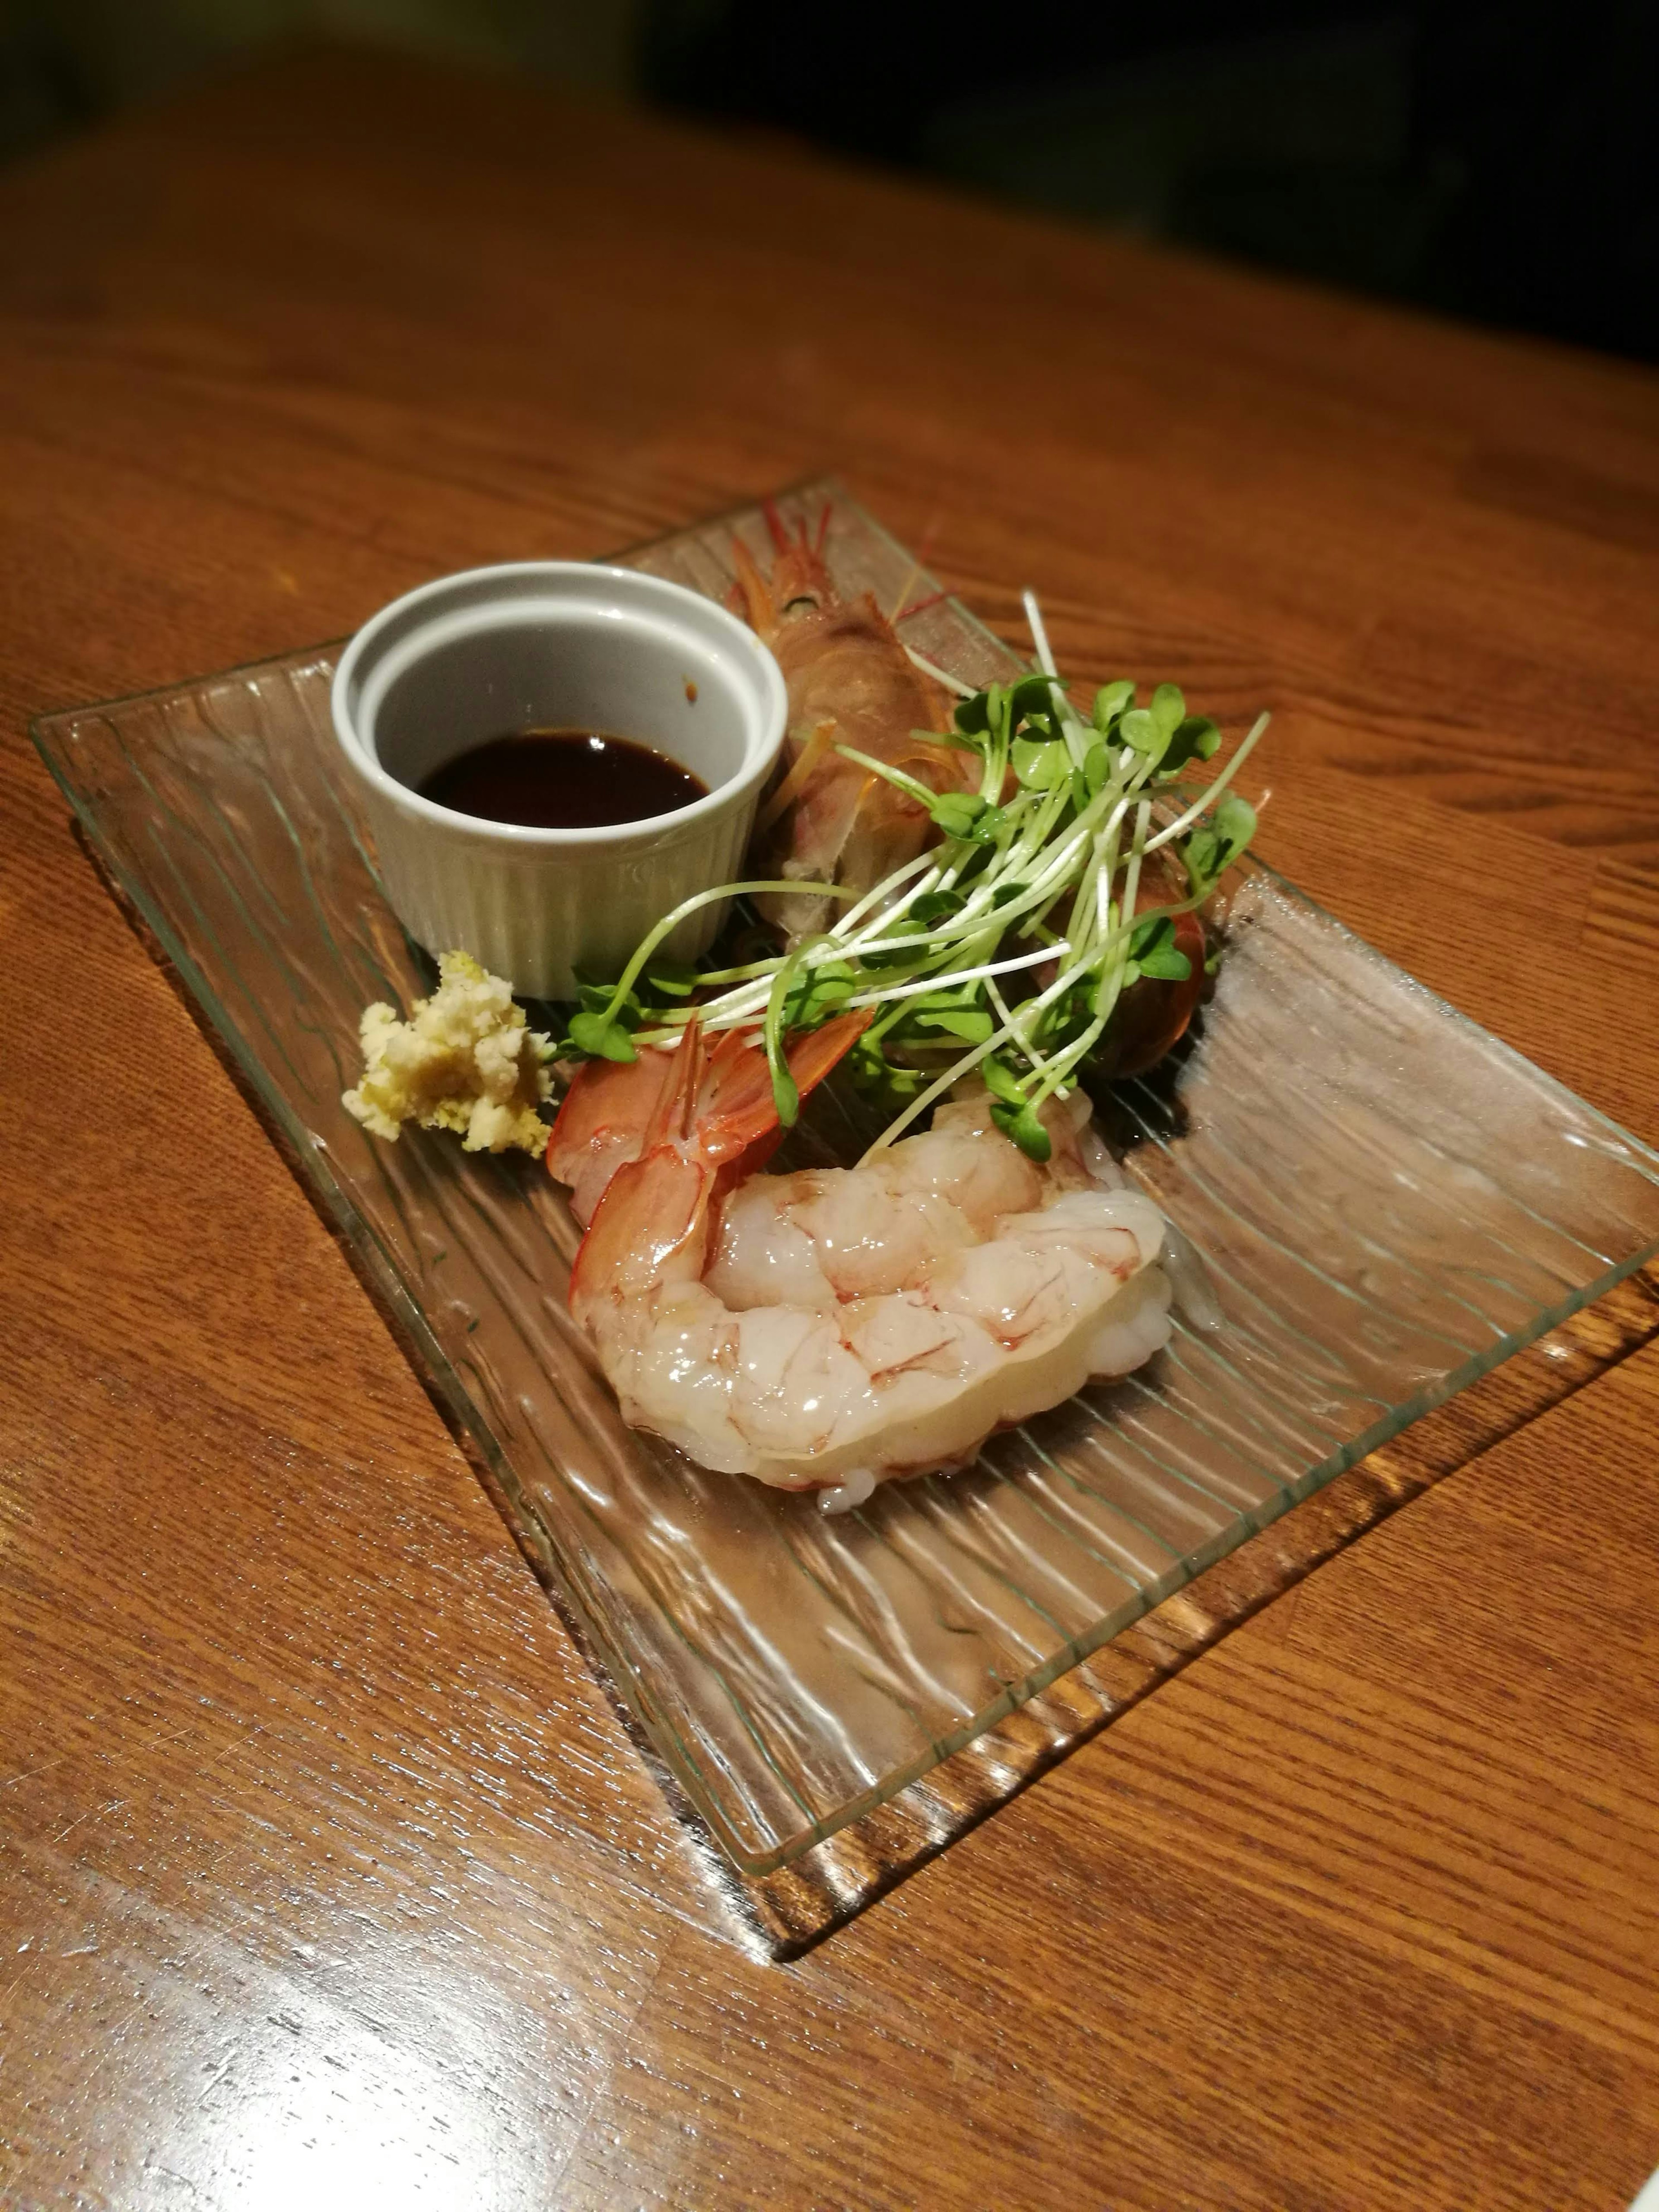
555,644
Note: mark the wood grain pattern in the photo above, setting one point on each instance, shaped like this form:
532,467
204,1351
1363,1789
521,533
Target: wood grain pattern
327,1872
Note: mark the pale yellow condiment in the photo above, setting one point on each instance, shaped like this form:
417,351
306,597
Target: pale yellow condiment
465,1060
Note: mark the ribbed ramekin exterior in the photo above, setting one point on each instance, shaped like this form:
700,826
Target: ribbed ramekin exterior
536,917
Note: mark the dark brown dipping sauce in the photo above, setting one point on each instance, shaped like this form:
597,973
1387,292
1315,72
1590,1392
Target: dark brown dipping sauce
562,780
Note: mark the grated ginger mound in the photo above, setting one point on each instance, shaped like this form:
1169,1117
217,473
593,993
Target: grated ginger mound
465,1060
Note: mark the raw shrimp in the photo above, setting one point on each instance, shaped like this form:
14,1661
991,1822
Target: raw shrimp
835,1328
850,683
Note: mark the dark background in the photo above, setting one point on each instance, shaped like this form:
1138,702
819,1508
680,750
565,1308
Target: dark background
1492,162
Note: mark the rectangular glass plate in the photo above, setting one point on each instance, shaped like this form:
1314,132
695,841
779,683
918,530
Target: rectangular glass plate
1390,1201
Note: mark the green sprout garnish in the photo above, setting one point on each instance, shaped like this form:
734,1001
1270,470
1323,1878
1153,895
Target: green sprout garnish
1009,944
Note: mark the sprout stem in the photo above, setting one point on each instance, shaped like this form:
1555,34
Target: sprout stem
670,922
1065,712
914,785
940,675
962,975
1206,799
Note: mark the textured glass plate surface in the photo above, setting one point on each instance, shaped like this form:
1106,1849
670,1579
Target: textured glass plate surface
1390,1201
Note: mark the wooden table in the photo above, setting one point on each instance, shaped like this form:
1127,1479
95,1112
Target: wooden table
328,1879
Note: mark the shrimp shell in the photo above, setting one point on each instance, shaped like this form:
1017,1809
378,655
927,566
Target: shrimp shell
850,681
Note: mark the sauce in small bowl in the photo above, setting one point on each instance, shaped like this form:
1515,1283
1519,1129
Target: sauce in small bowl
564,779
